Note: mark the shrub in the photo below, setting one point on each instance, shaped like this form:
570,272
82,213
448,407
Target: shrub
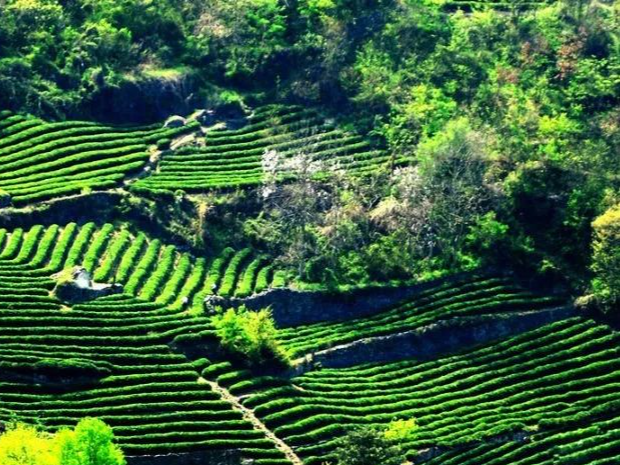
71,367
91,443
249,334
230,276
51,371
23,444
5,198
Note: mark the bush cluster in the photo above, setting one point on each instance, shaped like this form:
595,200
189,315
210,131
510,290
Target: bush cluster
250,335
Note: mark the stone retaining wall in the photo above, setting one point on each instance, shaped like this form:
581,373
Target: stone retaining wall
225,457
292,307
77,208
456,334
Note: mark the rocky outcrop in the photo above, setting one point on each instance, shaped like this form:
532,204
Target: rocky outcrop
146,99
233,115
76,285
217,457
292,307
433,340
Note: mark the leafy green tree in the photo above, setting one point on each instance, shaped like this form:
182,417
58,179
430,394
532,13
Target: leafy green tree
241,36
90,443
249,334
606,258
23,445
435,203
368,446
401,430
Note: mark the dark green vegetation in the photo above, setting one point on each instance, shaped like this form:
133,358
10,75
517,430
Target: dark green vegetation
250,336
90,443
322,145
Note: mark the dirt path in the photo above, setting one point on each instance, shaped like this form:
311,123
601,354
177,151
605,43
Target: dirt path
248,414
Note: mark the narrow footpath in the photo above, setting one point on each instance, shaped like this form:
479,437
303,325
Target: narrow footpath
248,414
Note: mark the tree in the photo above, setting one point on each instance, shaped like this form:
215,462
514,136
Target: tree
90,443
606,258
293,208
435,203
241,35
250,334
23,445
368,446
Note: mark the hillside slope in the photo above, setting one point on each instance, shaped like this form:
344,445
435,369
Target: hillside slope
518,397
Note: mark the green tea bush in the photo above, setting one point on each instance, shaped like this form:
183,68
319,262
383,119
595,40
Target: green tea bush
5,198
217,268
247,281
163,144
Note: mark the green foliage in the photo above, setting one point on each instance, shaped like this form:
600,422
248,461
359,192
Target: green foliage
368,446
59,368
401,430
163,144
488,237
606,258
424,114
24,445
5,198
90,443
251,335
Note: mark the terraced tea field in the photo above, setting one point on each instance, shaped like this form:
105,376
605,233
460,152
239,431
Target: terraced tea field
148,269
549,395
235,157
486,295
40,161
153,397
